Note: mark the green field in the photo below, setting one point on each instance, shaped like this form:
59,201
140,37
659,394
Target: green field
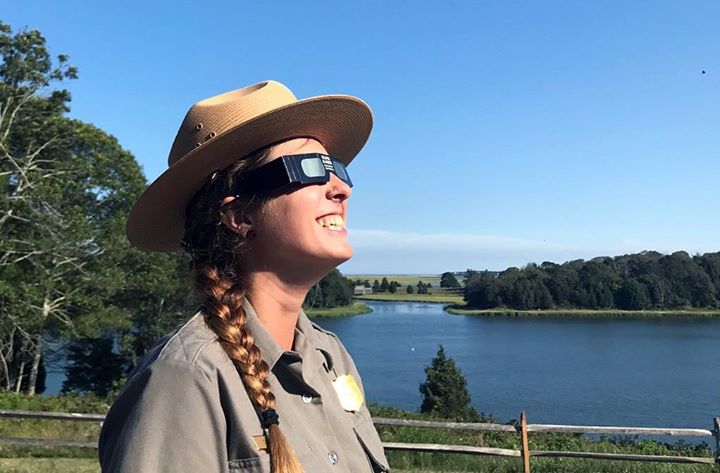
436,296
403,279
356,308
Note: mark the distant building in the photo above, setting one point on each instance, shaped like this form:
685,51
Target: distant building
362,290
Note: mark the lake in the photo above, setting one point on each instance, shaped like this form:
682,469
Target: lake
640,372
601,371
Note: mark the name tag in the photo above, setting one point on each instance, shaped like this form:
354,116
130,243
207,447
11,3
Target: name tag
260,442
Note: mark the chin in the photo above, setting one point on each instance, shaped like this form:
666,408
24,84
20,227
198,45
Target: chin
337,258
345,254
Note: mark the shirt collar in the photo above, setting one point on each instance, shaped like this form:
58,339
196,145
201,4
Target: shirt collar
270,350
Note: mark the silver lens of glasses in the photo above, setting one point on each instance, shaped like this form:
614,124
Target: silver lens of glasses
312,167
340,171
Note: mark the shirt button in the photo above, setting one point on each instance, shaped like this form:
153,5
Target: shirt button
332,456
306,399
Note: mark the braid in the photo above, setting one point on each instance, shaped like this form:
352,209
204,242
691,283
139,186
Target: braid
216,254
225,316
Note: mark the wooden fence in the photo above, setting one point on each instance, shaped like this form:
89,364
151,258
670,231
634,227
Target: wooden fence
523,429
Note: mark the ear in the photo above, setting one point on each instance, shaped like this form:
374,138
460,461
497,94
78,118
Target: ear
237,222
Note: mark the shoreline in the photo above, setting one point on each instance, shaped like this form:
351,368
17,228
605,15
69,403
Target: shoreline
585,313
359,307
356,308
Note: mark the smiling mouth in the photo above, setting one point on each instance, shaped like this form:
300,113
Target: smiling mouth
332,222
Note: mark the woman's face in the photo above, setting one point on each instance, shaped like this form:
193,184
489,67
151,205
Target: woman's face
303,230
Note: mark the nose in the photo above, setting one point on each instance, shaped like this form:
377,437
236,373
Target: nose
337,189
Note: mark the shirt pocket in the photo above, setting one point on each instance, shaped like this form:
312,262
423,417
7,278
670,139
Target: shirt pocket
371,443
259,464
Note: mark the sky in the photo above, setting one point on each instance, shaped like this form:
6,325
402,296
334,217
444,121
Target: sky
505,132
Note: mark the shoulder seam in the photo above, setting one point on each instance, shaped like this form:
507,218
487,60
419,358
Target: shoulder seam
322,330
200,349
192,360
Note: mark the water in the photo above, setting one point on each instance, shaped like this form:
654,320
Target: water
642,372
634,372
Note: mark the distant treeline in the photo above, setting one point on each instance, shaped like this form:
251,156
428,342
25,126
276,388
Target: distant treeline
392,286
647,280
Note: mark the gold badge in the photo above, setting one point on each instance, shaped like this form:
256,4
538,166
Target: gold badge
348,391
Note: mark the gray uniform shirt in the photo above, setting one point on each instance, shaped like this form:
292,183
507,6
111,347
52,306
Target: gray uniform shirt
185,409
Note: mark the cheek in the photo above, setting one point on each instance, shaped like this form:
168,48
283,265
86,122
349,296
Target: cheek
288,218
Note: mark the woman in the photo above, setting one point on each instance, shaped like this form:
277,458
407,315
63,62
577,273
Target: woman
256,193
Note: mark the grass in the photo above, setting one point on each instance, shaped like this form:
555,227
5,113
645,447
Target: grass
356,308
403,279
38,465
441,297
434,462
460,309
65,460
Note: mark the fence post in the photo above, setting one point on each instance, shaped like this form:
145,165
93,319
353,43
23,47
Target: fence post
716,433
524,440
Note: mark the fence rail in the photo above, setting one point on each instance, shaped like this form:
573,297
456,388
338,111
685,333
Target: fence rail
523,429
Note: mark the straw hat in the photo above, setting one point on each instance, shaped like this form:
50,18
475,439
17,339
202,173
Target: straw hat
220,130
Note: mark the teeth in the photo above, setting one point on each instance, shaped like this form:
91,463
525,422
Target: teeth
332,222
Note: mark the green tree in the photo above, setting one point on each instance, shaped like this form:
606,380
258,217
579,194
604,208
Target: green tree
470,274
94,366
333,290
445,392
632,295
410,289
65,190
384,285
393,287
482,291
449,280
421,288
376,286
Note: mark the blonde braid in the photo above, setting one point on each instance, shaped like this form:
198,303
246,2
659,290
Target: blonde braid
216,254
226,317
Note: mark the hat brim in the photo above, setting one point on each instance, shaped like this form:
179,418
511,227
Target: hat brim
341,123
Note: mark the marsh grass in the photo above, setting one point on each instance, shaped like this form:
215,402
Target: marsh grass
403,279
356,308
442,297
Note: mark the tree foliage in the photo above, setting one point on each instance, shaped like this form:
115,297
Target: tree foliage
333,290
449,280
647,280
95,366
66,269
445,392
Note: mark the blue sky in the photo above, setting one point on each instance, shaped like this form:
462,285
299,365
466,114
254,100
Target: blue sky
505,132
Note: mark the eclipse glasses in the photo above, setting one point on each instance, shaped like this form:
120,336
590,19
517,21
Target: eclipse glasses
303,169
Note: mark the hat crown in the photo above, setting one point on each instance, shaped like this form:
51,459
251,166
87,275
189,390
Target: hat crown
210,118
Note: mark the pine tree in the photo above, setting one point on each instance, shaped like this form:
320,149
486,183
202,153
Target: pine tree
445,392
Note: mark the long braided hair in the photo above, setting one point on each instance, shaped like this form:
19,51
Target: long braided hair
216,254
